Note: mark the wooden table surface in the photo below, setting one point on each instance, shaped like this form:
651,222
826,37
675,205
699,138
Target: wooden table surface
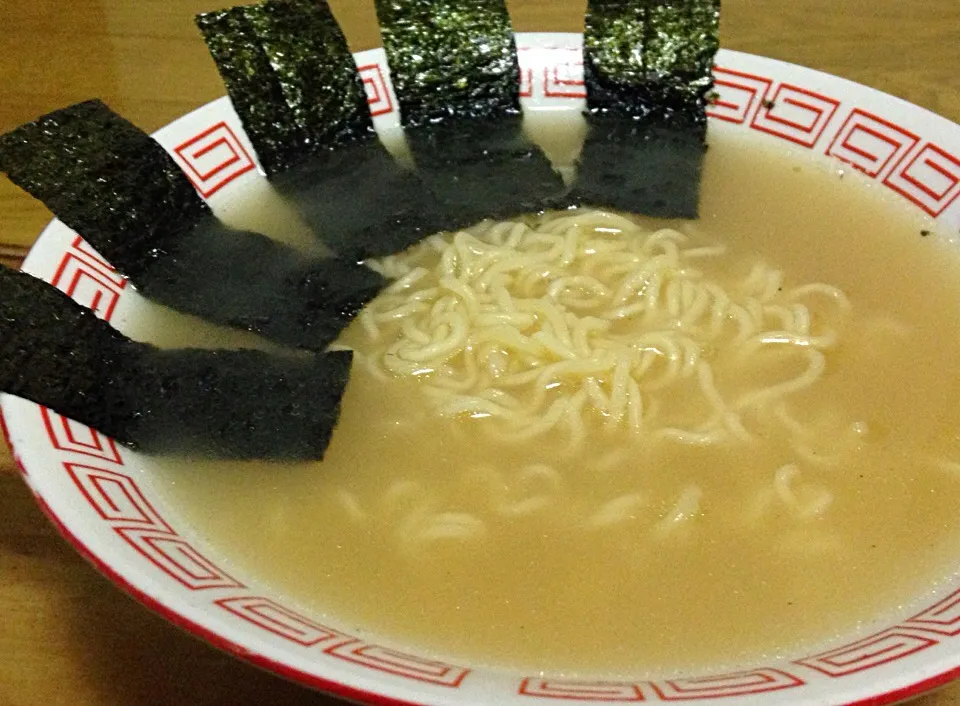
67,636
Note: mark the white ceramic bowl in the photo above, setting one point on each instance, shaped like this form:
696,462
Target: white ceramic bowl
101,498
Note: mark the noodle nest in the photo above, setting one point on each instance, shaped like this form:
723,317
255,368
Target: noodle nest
539,323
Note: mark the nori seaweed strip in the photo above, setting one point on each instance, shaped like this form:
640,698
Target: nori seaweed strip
60,354
360,202
315,68
125,195
455,72
647,70
450,59
248,281
240,404
254,90
106,179
299,51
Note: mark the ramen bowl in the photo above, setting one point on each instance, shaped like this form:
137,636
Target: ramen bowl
103,499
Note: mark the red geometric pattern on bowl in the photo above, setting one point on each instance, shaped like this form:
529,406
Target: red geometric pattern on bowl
80,246
68,435
378,94
564,77
398,663
213,158
795,114
930,179
526,83
526,77
870,143
115,496
738,95
118,499
176,557
942,618
526,70
580,690
270,615
878,147
719,686
88,279
885,647
560,72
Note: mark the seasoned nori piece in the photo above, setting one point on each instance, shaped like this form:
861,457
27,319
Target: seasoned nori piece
455,72
239,404
647,70
345,184
640,168
478,169
361,203
126,196
315,68
291,78
251,282
59,354
106,179
254,89
650,59
450,59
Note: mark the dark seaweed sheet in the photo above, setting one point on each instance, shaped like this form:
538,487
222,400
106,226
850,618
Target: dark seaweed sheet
640,168
335,171
316,70
123,193
479,169
239,404
235,404
255,91
455,72
290,76
361,202
60,354
357,199
647,70
248,281
106,179
450,59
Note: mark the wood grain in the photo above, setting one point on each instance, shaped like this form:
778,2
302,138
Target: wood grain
67,636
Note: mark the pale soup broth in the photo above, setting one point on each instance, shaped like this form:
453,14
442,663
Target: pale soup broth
649,586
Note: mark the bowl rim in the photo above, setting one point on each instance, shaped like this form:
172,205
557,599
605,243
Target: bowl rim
545,45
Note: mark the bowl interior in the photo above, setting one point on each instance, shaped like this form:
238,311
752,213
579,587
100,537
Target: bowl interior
102,498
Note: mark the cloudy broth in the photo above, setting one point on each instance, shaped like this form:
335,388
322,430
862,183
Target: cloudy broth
559,591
